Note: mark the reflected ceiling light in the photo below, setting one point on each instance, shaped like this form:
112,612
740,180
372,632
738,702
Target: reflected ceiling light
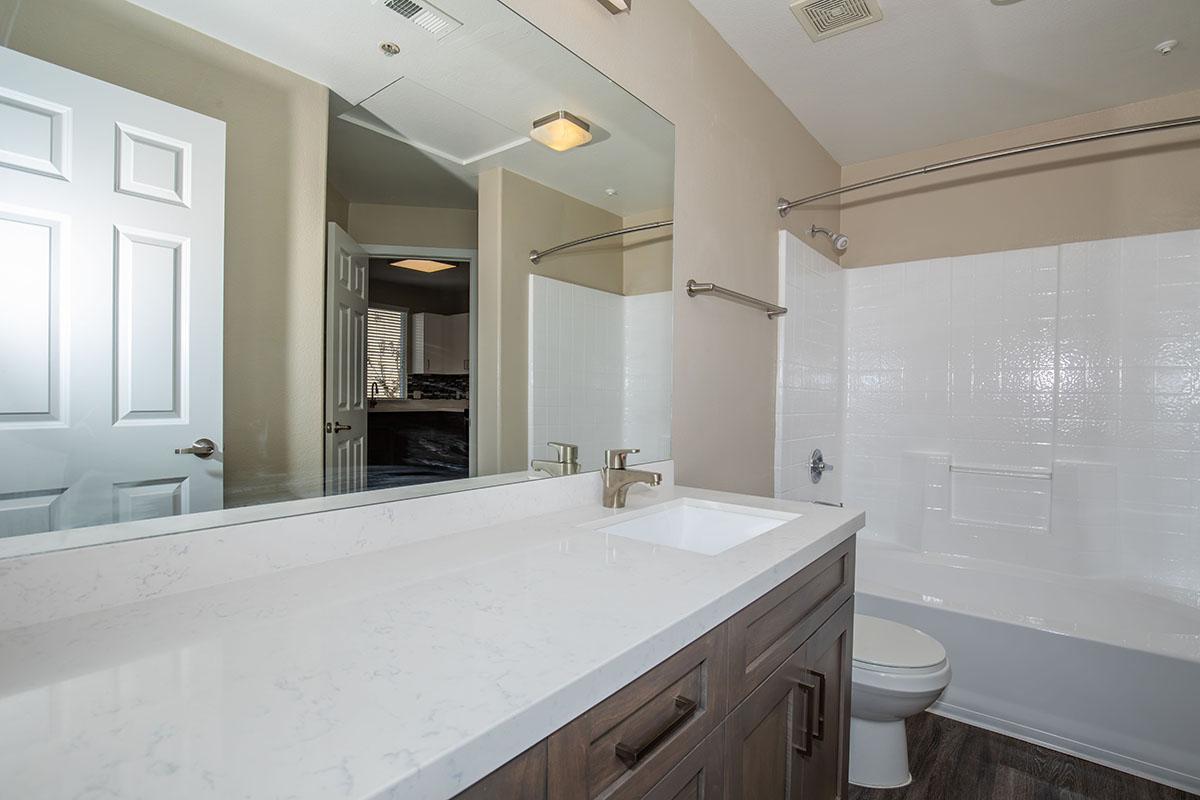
422,265
616,6
561,131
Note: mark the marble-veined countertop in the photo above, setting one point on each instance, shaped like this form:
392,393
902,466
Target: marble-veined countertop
406,673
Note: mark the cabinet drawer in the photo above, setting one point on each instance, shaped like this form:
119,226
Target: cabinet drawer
768,631
626,744
700,776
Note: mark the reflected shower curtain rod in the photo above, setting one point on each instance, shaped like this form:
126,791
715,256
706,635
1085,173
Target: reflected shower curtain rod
536,255
786,205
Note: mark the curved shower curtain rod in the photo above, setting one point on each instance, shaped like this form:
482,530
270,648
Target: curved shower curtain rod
785,205
536,255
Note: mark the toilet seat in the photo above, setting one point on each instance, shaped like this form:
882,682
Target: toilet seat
881,645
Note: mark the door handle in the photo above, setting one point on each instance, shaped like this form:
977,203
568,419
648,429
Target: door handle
201,448
337,427
810,692
819,733
632,754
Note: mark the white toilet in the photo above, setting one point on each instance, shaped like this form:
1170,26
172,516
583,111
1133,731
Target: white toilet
898,672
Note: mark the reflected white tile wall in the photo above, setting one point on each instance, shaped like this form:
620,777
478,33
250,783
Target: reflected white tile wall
808,403
646,405
1081,360
599,371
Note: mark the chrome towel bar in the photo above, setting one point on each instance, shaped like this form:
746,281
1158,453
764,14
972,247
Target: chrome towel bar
773,311
537,255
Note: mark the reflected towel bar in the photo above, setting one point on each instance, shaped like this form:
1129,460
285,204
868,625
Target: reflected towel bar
784,205
1002,472
773,311
537,255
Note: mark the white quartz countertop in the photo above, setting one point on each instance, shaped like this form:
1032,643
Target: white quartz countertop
406,673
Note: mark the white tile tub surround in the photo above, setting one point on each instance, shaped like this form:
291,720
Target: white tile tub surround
49,586
1082,361
810,372
646,405
599,371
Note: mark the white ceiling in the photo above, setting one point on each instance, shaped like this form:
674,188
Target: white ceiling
936,71
465,102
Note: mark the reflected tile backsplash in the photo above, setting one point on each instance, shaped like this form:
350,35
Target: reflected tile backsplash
439,387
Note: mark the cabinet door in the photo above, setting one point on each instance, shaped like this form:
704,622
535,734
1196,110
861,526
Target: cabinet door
763,736
700,776
825,774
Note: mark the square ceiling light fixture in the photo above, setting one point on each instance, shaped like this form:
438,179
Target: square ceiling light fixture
422,265
561,131
617,6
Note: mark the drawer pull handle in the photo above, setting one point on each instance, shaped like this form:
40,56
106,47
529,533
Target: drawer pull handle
631,755
819,733
810,691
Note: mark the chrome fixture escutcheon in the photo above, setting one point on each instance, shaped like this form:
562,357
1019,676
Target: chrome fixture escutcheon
817,466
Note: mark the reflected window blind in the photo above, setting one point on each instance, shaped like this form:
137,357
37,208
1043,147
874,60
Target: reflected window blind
387,352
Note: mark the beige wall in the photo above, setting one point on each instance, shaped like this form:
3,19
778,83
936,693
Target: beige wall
518,215
337,208
647,255
274,227
414,226
1149,183
737,149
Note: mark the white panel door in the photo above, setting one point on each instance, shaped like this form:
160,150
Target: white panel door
111,258
345,364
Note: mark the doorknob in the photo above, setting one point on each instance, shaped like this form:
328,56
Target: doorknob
201,448
336,427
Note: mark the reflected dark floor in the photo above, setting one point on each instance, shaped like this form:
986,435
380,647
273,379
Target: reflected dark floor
953,761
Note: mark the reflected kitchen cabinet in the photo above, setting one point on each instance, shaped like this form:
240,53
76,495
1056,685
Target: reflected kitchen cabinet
441,344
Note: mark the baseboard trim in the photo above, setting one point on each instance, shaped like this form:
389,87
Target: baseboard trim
1133,766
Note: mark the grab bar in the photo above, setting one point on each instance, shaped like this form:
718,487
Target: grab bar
1003,472
773,311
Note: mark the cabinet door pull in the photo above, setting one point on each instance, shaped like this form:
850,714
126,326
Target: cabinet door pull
632,754
819,733
806,749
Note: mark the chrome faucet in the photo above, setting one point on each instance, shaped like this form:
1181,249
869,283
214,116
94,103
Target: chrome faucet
618,478
567,463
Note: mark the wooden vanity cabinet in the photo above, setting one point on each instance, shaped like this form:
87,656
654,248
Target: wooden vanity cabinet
756,709
790,739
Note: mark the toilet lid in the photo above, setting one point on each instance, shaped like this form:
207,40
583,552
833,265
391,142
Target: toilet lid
890,644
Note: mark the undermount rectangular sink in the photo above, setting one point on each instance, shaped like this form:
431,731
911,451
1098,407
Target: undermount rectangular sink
698,526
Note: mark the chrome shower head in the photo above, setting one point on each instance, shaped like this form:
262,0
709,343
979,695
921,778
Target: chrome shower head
840,241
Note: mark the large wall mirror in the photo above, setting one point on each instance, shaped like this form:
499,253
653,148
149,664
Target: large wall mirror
270,258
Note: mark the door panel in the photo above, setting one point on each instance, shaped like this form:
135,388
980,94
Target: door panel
32,322
761,758
345,364
826,773
112,224
151,332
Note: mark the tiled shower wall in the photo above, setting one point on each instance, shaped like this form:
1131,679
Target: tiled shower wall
1061,384
599,371
809,385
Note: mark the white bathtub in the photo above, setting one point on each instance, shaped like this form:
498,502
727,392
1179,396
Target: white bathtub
1084,666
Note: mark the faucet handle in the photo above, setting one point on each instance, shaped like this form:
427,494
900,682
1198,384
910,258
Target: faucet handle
566,453
615,459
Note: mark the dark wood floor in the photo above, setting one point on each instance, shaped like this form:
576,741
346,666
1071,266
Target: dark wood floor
953,761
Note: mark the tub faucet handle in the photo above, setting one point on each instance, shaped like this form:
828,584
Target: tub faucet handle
817,466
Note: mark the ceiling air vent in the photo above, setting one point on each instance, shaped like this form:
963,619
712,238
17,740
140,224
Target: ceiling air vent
824,18
425,16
